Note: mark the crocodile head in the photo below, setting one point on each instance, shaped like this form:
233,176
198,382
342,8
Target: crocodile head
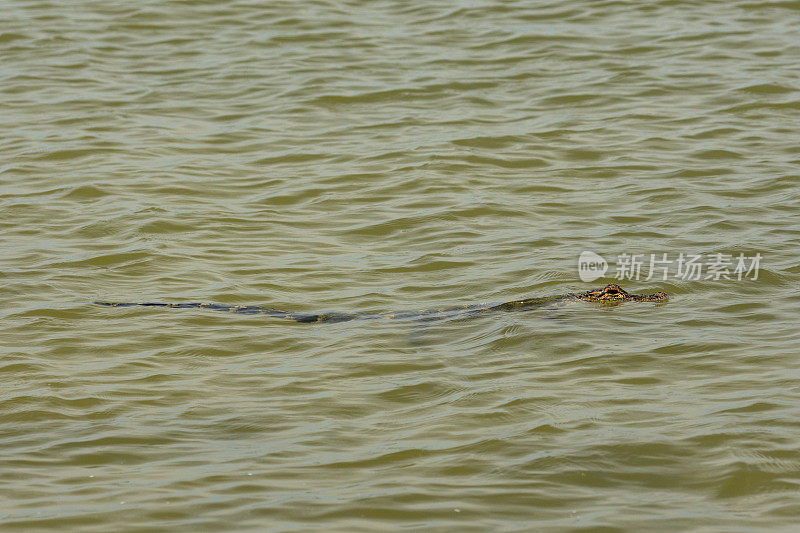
659,296
614,293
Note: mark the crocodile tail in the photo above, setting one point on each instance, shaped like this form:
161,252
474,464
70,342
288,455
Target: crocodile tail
304,318
239,309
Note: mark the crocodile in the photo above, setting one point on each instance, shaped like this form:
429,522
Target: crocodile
610,294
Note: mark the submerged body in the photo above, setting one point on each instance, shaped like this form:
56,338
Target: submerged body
611,293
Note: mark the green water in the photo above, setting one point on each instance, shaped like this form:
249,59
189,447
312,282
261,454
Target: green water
374,156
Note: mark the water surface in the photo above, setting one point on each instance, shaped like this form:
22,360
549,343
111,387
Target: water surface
350,156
